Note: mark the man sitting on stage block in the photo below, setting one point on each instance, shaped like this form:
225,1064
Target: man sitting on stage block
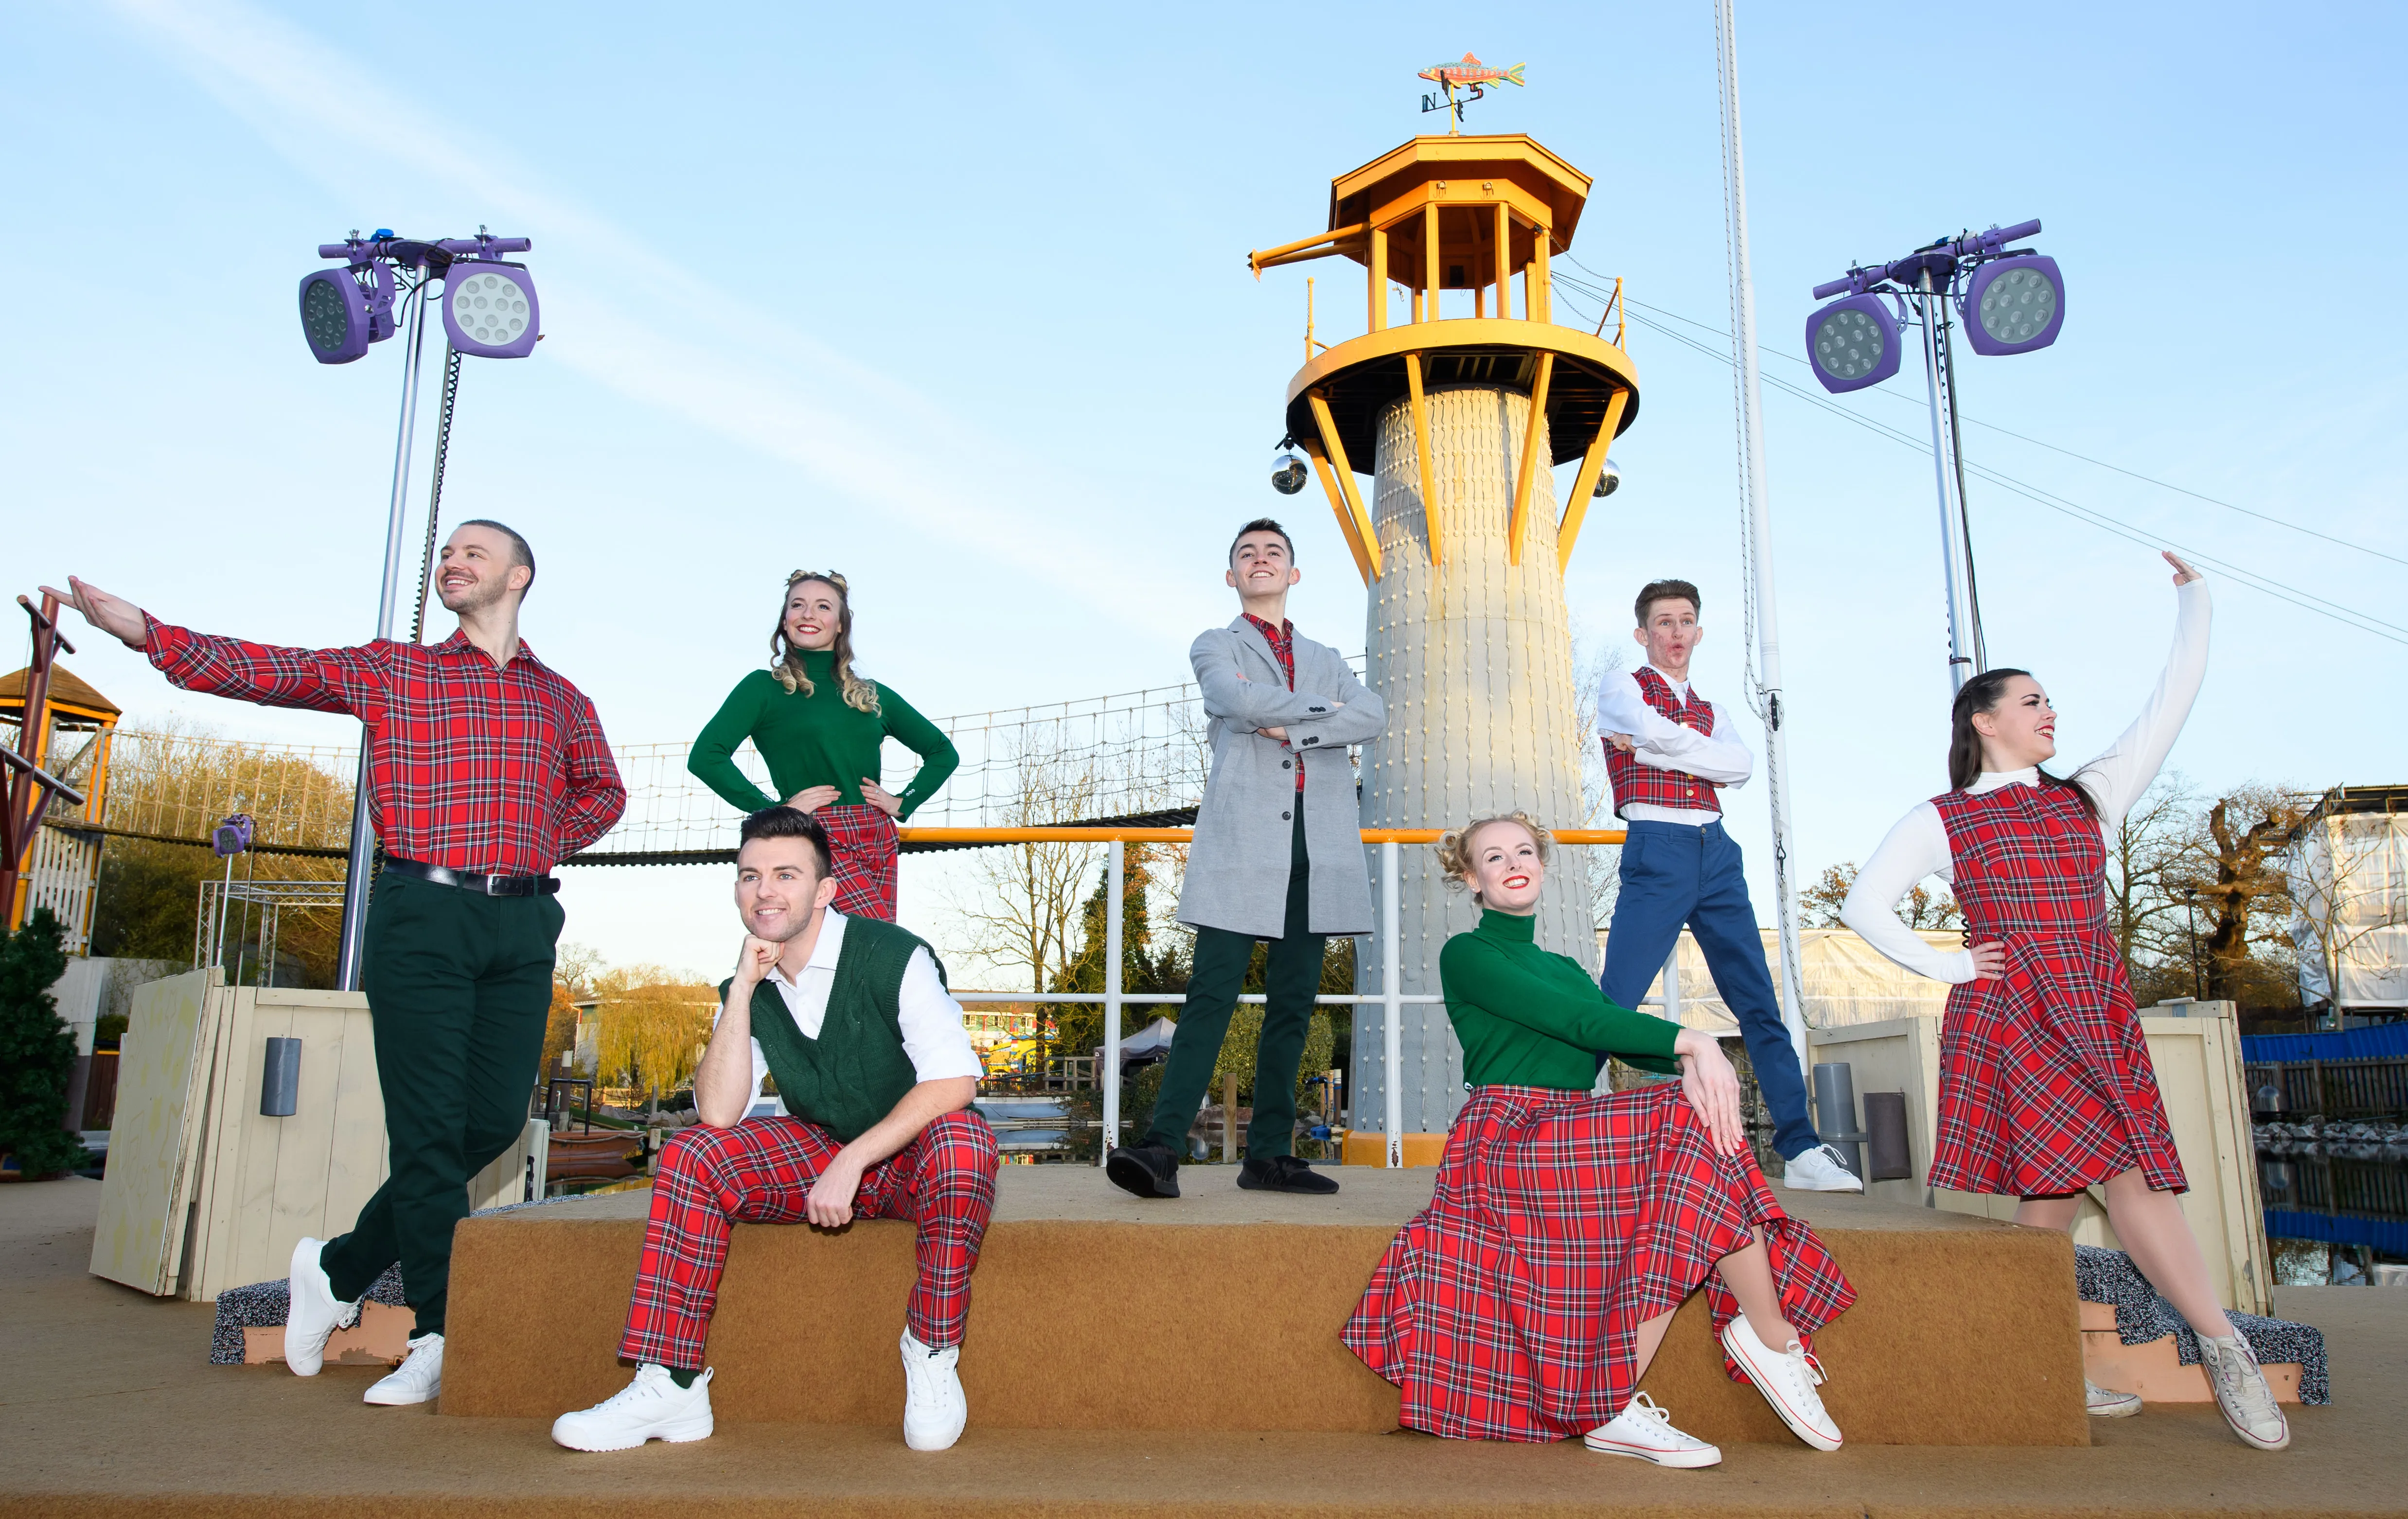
851,1017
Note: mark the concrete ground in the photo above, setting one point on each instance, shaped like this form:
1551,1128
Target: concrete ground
108,1406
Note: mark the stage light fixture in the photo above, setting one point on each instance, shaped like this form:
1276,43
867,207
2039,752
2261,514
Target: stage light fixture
1608,480
1288,473
1854,342
2013,305
488,309
334,315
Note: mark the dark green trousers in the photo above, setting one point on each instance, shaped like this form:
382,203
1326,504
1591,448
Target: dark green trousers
1290,980
459,984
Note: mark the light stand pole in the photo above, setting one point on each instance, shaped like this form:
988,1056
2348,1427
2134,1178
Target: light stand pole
1966,657
363,857
1758,532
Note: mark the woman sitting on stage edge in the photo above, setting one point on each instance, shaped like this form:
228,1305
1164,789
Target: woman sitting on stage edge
1527,1301
819,728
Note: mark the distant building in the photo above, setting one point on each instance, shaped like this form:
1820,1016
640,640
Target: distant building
2348,873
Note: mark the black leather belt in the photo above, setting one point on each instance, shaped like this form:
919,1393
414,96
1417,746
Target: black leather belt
469,880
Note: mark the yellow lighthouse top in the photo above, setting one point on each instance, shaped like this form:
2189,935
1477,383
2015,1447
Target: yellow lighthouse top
1455,214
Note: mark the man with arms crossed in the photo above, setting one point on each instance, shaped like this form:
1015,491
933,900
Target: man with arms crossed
1668,753
485,769
851,1017
1283,709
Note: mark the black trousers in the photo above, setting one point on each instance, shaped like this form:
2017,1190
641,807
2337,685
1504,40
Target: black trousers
459,984
1292,980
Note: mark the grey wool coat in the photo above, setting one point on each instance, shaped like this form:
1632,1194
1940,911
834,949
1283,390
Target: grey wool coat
1237,867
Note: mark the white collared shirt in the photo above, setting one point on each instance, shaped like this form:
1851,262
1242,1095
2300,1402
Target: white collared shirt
1721,757
933,1035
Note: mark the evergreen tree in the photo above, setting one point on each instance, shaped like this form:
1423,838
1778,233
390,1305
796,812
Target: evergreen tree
36,1050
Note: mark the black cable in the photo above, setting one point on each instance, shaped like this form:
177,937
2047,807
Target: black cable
435,499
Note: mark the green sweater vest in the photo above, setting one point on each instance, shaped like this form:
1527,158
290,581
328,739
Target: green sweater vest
816,740
856,1070
1526,1017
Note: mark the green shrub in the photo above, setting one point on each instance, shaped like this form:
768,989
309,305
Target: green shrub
36,1050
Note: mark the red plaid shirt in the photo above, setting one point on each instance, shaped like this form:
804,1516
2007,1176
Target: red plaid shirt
472,766
1283,641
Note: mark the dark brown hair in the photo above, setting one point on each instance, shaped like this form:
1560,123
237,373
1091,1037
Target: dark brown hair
1983,694
783,821
1655,591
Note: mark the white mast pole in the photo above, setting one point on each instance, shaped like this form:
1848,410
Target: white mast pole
1757,531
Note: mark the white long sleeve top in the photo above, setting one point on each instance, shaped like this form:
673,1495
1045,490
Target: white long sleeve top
1721,757
1918,846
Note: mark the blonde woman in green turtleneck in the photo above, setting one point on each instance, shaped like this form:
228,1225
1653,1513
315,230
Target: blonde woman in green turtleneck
1528,1301
819,728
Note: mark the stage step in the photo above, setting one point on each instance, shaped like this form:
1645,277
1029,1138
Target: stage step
1221,1310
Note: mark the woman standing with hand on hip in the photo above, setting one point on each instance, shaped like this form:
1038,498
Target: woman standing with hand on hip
2046,1085
819,728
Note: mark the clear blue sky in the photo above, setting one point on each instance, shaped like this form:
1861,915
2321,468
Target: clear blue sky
952,299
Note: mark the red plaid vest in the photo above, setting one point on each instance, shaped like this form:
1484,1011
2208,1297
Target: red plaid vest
1634,782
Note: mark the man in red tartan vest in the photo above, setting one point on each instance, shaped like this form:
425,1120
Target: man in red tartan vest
1670,752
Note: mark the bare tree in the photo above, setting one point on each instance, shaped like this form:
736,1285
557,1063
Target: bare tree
2233,861
1024,908
2146,871
1928,906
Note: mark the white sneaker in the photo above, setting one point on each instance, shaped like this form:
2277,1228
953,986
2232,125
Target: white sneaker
315,1313
1644,1430
417,1380
934,1409
1820,1169
2242,1393
2107,1403
1787,1379
652,1407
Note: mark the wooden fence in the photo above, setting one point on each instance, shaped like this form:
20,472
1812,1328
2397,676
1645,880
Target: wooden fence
2372,1087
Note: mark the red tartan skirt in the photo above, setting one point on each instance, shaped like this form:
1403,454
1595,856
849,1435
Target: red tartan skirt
1562,1220
865,842
2045,1084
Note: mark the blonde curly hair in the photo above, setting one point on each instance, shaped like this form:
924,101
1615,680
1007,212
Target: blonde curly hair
859,694
1454,846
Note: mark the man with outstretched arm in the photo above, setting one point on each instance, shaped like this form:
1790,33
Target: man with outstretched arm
851,1017
1670,752
486,769
1282,710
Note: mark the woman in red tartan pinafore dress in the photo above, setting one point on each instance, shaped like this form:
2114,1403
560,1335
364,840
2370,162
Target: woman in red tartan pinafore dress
1528,1301
2046,1085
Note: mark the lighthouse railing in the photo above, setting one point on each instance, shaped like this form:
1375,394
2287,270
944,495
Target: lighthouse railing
1390,997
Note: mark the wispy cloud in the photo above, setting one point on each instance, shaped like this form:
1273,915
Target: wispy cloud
737,369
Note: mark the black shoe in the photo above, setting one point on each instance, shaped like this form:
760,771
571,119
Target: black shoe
1283,1173
1149,1170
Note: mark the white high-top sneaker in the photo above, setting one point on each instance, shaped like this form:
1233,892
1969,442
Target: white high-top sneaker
1787,1379
315,1313
1645,1430
1820,1169
2242,1393
652,1407
934,1409
417,1380
2107,1403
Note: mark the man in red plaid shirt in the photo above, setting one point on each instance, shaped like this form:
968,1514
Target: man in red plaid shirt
486,768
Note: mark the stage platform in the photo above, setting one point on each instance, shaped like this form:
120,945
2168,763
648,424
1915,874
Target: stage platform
108,1407
1093,1310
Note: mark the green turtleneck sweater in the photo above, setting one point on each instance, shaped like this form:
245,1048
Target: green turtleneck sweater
816,740
1530,1018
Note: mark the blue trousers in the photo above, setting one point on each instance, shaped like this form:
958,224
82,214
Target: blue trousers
1672,875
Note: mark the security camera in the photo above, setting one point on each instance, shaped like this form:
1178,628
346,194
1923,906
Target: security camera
1288,473
1608,480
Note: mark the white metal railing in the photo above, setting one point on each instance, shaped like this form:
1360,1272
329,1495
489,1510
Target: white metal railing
1391,998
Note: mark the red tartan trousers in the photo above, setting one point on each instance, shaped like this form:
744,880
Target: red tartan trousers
1509,1309
865,842
761,1173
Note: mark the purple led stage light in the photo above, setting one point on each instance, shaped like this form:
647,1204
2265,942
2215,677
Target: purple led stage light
1854,342
2013,305
334,315
490,310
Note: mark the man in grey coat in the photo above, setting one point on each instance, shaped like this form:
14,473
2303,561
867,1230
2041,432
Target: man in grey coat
1283,709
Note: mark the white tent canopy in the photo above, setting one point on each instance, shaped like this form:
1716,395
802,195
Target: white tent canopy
2349,874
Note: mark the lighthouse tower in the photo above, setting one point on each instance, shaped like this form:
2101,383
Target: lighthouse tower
1459,400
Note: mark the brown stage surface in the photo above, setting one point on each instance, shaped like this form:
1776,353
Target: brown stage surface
108,1405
